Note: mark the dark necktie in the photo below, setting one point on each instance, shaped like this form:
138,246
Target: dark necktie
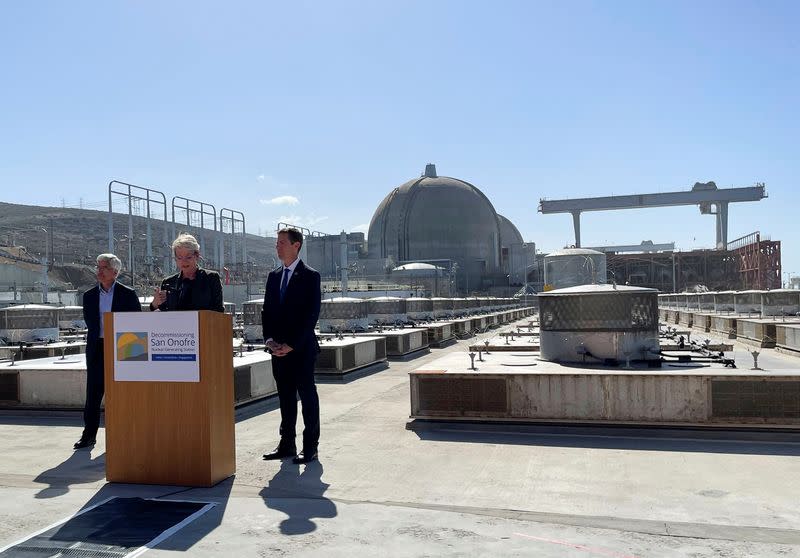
284,281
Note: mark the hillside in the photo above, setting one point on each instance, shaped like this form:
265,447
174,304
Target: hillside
73,237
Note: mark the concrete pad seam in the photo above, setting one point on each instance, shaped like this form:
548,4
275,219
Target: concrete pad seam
676,529
736,533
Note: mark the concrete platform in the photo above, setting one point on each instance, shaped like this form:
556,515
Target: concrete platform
440,333
760,332
673,317
506,342
724,325
252,377
41,351
518,386
401,342
787,338
60,383
479,324
702,321
342,356
441,489
463,327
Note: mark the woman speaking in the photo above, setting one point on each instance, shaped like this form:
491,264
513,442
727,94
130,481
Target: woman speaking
192,288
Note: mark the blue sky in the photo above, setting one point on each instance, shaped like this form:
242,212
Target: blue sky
257,105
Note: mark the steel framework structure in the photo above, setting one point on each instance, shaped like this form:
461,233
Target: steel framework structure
759,261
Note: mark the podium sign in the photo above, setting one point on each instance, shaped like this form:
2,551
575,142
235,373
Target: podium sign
156,350
169,398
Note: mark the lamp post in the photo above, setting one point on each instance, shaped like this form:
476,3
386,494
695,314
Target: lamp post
131,255
45,266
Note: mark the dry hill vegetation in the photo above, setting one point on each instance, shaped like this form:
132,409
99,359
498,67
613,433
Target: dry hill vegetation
76,236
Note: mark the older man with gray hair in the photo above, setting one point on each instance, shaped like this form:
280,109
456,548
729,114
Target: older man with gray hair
106,296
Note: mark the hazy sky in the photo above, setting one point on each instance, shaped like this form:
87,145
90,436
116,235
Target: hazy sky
311,112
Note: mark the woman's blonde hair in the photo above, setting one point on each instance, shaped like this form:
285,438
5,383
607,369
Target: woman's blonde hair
187,241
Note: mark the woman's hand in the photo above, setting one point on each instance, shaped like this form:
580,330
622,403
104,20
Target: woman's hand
159,298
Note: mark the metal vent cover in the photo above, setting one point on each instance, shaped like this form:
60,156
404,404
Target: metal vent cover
251,312
242,383
380,348
600,312
326,358
9,386
462,396
349,309
348,357
394,344
755,399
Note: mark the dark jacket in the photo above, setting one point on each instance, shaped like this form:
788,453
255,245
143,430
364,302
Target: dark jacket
125,300
293,320
206,291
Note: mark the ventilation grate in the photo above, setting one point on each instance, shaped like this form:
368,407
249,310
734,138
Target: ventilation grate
348,358
242,383
755,399
9,387
462,396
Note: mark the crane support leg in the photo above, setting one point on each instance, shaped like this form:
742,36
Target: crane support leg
722,225
576,222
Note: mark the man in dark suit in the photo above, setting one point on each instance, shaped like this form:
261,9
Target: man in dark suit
106,296
291,307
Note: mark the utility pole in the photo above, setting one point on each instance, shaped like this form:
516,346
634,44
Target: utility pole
45,266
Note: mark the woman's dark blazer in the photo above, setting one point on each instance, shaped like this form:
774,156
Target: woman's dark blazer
206,291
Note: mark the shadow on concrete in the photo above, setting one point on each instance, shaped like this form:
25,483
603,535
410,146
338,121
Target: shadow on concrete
689,439
298,495
78,468
41,417
256,408
193,533
408,357
322,378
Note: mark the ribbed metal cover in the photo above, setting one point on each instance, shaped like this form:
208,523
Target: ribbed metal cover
251,312
442,303
611,310
348,357
462,396
419,305
70,313
29,317
473,303
242,383
9,387
386,305
755,399
343,309
780,302
723,301
326,360
748,299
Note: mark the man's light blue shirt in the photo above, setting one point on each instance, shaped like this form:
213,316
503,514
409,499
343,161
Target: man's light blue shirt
106,298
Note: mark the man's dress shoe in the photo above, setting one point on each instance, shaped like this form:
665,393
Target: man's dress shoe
84,443
305,457
280,453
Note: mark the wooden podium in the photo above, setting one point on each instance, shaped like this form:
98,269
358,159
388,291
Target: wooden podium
173,432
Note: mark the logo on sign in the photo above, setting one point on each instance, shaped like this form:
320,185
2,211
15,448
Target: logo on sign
131,346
